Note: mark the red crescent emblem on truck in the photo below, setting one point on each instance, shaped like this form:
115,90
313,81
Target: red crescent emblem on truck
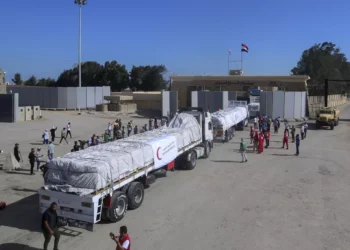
158,154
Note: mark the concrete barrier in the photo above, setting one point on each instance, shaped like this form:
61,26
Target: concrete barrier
317,102
102,107
28,113
21,114
36,112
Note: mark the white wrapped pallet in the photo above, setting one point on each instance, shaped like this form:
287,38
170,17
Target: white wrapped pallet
97,167
229,117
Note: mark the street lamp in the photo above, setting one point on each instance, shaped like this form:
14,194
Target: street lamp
80,3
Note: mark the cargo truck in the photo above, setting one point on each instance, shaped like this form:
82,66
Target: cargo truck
83,207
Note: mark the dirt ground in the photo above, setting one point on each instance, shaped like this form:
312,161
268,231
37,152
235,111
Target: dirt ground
275,201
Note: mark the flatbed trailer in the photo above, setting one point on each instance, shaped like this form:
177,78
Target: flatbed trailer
112,202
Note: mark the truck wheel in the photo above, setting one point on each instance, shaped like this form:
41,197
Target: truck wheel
151,178
337,122
332,125
119,207
104,214
207,150
160,173
193,161
135,195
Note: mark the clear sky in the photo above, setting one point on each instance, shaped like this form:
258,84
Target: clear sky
40,37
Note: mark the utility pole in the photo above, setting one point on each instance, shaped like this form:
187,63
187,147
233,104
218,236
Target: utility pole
80,3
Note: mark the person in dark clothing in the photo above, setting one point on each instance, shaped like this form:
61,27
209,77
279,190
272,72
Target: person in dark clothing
136,130
44,168
49,226
120,123
17,153
123,132
76,147
53,133
32,158
297,144
63,135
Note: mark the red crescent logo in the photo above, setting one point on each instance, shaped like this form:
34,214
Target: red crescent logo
158,154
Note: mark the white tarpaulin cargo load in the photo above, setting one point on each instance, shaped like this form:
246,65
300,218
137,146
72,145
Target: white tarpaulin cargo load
97,167
229,117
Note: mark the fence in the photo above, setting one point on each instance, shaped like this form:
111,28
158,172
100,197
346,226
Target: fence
60,97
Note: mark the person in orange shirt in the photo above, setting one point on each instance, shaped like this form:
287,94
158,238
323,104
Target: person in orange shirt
285,139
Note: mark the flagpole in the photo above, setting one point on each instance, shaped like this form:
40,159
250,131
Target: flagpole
228,63
242,61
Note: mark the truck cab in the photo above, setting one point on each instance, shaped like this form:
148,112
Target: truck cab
327,117
204,119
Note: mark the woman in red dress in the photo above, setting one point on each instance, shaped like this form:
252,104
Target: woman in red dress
261,143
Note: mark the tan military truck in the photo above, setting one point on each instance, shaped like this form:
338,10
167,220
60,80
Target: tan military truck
327,117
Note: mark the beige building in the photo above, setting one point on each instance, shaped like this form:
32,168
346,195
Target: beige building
186,84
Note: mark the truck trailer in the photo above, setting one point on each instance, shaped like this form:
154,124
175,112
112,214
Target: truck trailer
104,181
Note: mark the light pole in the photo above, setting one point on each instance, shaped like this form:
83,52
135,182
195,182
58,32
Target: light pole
80,3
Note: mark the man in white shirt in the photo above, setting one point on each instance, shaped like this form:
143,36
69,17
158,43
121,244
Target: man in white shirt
68,130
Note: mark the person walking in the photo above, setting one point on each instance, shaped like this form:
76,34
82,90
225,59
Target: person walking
268,122
267,138
256,141
286,127
69,130
17,153
136,130
275,125
261,143
53,133
129,128
46,137
31,158
285,139
51,151
297,144
292,131
109,128
123,132
243,150
251,134
38,156
123,240
305,129
302,131
63,135
49,226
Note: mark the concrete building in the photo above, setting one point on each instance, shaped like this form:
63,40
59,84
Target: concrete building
186,84
2,82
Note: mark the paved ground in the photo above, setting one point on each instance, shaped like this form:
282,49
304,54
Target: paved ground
276,201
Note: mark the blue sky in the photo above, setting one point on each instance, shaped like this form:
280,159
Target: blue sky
189,37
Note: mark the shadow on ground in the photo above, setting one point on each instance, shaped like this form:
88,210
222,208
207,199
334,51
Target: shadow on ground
344,120
15,246
23,214
226,161
283,154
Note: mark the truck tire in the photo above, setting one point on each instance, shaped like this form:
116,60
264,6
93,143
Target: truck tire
337,122
119,207
151,178
207,149
104,214
135,195
332,125
193,161
160,173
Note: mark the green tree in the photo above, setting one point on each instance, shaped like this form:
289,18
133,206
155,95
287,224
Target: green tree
322,61
48,82
32,81
115,75
17,79
147,78
91,75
